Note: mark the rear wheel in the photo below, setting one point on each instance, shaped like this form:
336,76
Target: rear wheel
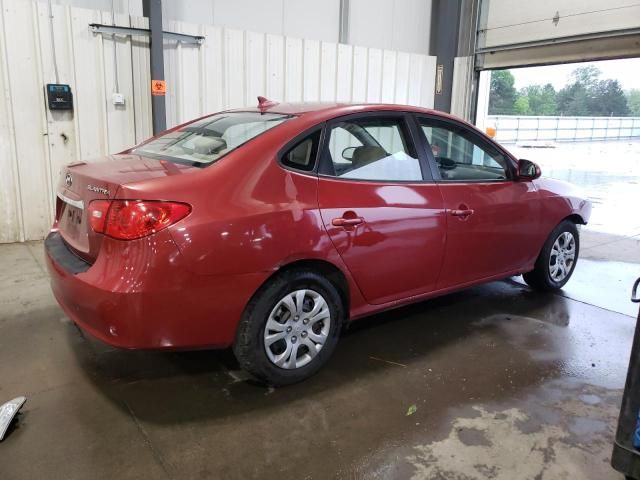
290,328
557,260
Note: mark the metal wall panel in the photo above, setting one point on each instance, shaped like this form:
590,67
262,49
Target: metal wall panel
403,25
229,70
11,224
462,88
245,64
29,120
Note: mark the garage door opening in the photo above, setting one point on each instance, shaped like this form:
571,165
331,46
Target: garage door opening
581,123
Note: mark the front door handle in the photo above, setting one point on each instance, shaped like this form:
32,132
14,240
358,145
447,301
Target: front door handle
464,213
347,222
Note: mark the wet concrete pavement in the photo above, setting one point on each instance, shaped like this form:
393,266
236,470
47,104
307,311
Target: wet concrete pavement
506,382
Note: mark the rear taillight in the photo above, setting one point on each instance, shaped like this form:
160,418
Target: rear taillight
131,219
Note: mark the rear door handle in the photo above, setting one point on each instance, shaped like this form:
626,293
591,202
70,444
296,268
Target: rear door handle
461,213
346,222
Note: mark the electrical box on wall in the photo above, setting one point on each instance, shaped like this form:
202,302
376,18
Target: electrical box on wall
117,98
59,96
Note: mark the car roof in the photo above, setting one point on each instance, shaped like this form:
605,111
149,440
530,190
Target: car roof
311,113
328,110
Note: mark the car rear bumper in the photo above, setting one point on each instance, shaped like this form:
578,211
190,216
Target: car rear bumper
139,295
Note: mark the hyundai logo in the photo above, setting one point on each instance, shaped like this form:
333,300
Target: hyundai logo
68,180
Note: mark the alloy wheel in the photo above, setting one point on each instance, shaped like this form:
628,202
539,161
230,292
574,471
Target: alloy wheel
563,256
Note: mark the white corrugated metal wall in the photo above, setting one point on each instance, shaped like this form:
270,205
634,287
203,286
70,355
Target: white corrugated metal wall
230,69
393,24
35,142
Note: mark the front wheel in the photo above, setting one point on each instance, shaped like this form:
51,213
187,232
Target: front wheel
557,260
290,328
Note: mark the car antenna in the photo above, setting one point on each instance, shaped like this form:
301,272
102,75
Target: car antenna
264,103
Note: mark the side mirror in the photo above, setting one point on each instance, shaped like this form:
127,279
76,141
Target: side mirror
347,153
527,170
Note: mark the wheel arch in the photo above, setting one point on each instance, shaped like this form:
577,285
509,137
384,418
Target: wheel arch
327,269
575,218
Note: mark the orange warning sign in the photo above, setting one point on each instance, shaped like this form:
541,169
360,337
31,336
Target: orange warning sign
158,87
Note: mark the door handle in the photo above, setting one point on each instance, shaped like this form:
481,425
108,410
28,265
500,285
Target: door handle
461,212
347,222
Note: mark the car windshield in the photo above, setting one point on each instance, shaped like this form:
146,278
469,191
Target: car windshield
209,139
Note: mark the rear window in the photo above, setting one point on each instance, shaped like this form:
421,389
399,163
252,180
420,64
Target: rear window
205,141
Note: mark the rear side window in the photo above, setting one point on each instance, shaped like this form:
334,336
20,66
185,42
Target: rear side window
373,149
302,156
209,139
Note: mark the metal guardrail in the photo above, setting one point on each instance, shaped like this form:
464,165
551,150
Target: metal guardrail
520,128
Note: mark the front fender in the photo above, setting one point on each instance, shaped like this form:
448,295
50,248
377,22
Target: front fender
561,200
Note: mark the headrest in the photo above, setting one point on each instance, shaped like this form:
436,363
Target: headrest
209,145
367,154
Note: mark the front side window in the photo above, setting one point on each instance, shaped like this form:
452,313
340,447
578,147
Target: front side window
207,140
460,156
372,149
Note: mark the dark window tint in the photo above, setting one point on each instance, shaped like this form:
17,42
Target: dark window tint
302,156
461,155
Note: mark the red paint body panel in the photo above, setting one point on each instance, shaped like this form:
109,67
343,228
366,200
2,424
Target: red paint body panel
397,251
487,242
187,286
139,294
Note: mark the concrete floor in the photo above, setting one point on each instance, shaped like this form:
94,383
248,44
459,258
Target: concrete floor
506,383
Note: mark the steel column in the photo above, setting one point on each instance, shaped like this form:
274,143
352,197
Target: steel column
445,24
343,33
153,10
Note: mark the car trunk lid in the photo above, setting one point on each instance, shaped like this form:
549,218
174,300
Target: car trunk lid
81,183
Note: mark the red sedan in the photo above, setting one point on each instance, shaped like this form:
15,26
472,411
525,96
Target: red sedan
268,228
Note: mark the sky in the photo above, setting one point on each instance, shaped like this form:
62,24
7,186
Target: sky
626,71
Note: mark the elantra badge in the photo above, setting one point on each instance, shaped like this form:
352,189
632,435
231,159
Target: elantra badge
101,190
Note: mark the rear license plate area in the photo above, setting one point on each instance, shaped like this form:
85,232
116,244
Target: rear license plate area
70,219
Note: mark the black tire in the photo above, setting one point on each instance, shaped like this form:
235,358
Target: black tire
249,347
540,277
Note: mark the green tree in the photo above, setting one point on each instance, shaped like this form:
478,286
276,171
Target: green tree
590,96
502,96
522,105
633,101
587,76
573,100
608,99
541,99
